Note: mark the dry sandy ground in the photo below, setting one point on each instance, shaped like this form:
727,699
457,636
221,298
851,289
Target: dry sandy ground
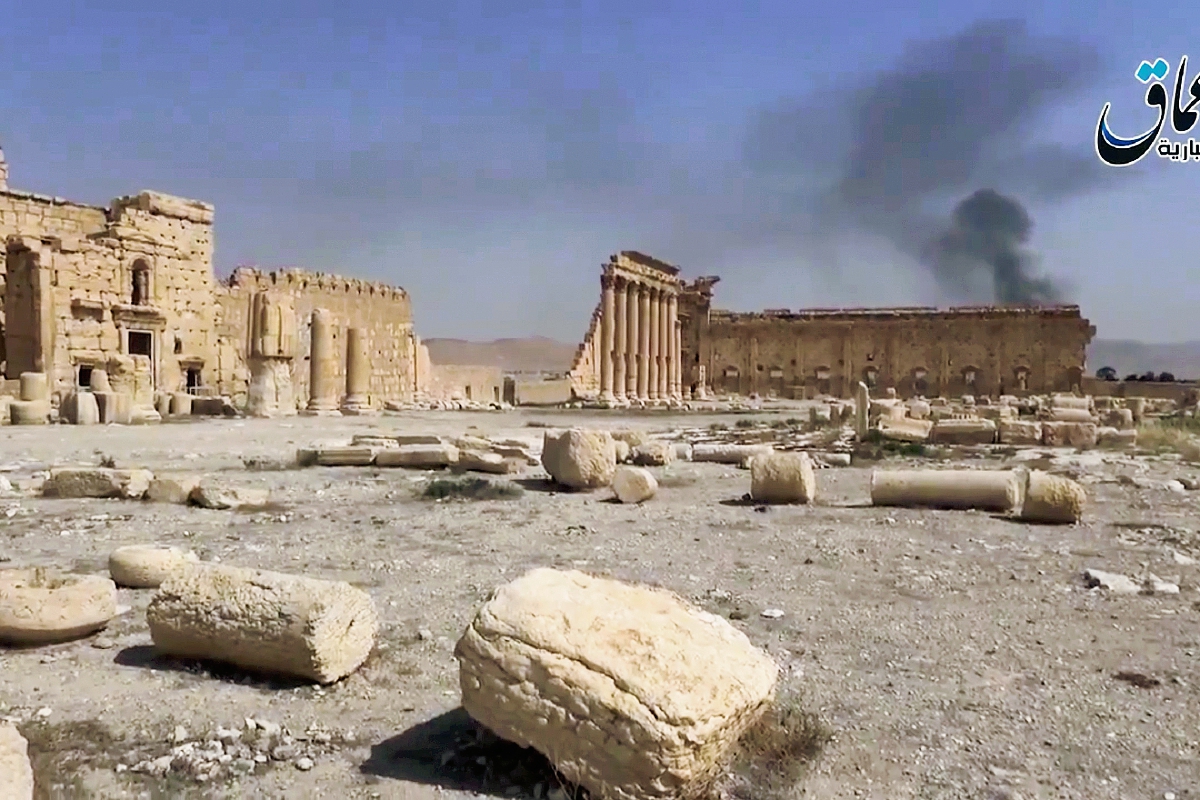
953,655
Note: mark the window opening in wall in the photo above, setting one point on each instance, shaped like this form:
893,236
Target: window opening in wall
920,384
776,372
1023,380
496,393
85,376
969,377
141,343
731,372
467,391
193,378
870,356
178,345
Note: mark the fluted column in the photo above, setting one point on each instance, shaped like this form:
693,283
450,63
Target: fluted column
675,354
632,312
606,339
621,303
664,346
643,378
652,356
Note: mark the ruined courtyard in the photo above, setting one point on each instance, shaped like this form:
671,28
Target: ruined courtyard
940,653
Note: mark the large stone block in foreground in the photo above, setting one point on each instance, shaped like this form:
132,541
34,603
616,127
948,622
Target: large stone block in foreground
580,459
783,478
264,621
628,691
16,774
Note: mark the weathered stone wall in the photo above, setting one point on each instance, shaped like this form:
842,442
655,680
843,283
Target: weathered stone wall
75,305
383,312
551,392
1177,391
480,384
985,351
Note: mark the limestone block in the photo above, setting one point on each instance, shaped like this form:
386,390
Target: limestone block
494,463
1137,407
172,488
634,484
264,621
1052,498
653,453
421,456
346,456
580,459
181,404
34,386
629,692
783,478
16,773
41,607
888,408
1071,401
1069,434
80,408
730,453
146,566
144,415
1114,437
683,451
5,410
418,439
1068,414
905,430
76,482
30,412
996,413
1119,418
623,450
631,438
376,440
918,409
162,404
1024,432
964,431
115,408
209,493
99,381
990,490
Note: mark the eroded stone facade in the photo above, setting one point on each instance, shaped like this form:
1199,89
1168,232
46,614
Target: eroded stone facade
130,289
814,352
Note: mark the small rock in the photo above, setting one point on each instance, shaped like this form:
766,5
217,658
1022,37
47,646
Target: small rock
1181,559
1175,486
1110,581
1156,585
180,735
304,763
424,634
103,643
285,752
772,613
43,713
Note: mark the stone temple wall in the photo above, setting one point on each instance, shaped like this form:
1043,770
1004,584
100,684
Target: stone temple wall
384,312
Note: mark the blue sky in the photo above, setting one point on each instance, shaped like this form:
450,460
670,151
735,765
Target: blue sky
488,157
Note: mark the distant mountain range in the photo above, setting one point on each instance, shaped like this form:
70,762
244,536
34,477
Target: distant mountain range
539,354
533,354
1127,357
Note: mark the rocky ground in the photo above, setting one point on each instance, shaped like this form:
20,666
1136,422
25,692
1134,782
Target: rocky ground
950,654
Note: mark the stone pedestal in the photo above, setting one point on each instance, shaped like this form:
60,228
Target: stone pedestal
34,386
358,373
271,392
322,382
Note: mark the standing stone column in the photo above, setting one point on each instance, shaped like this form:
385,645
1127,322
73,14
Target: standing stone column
631,340
358,372
622,338
675,355
607,313
643,377
665,349
652,354
322,382
862,410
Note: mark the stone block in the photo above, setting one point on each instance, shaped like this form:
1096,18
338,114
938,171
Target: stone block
146,566
580,459
346,456
30,412
210,493
1052,498
1114,437
1082,435
115,408
1068,414
181,404
42,607
905,430
80,408
630,692
634,484
263,621
77,482
6,410
964,431
16,773
653,453
783,478
1119,418
172,488
494,463
420,456
34,387
741,454
1020,432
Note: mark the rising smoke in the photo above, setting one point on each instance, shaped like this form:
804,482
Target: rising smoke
956,114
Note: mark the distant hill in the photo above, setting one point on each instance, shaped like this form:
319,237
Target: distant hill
534,354
1127,357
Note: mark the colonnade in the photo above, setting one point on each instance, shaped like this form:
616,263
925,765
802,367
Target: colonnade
640,341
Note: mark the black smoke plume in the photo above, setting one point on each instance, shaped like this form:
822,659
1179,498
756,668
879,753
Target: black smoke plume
953,115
